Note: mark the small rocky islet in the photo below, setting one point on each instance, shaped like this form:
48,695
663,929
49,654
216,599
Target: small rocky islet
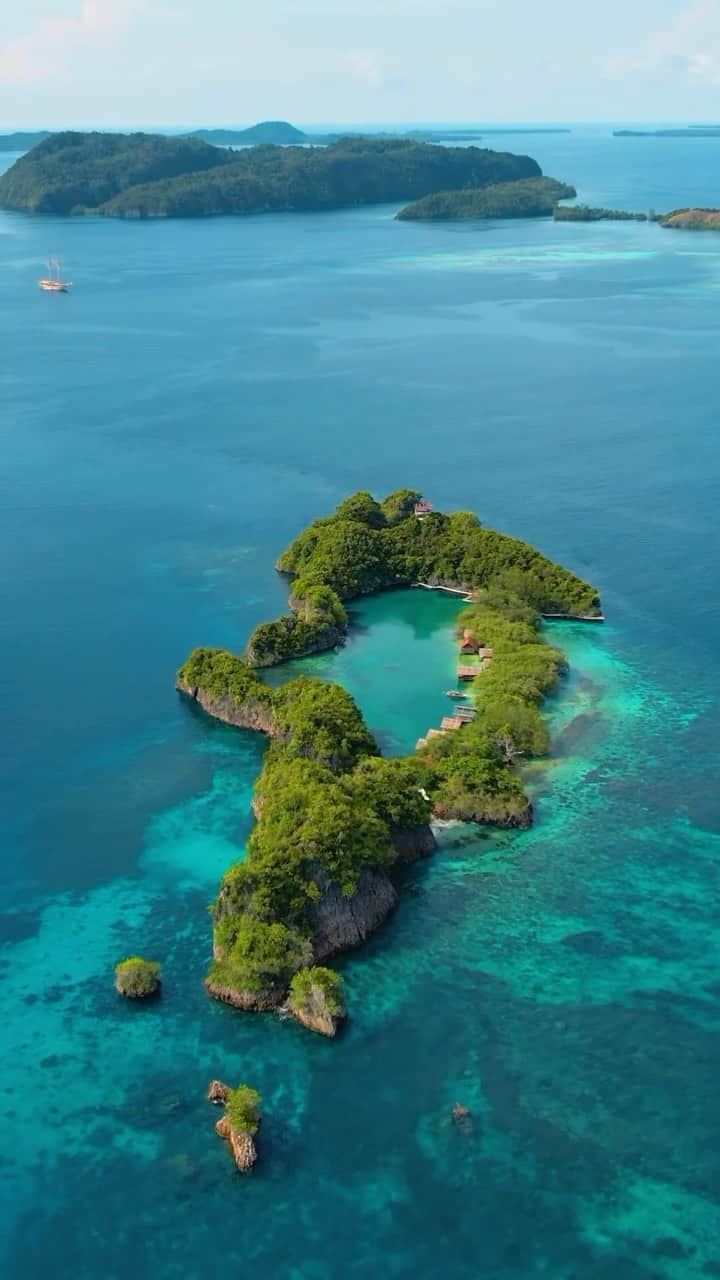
239,1124
334,819
137,979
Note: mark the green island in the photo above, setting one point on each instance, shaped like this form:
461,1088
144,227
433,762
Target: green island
585,213
239,1124
683,219
285,134
282,133
692,219
335,820
136,979
526,198
144,175
22,141
274,132
688,131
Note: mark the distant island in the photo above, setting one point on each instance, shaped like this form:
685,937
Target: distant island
584,213
691,131
281,133
335,821
527,198
21,141
692,219
275,132
684,219
148,176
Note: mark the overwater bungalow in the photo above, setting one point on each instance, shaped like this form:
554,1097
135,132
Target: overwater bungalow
450,722
467,673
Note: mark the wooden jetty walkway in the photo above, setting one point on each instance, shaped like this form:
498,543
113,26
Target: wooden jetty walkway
451,591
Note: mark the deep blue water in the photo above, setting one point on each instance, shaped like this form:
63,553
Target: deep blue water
206,389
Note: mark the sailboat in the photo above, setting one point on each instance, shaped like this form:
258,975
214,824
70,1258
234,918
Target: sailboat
54,283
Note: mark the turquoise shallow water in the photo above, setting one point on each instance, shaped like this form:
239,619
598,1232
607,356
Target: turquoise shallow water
400,658
161,444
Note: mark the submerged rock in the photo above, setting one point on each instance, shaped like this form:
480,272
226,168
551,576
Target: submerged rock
242,1145
462,1118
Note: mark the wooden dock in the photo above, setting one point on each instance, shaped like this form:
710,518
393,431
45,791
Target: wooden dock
468,673
448,724
465,715
451,591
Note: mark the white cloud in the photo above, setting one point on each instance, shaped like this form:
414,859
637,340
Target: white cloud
364,64
44,50
691,46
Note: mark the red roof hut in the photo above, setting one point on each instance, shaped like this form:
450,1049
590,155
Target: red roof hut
468,643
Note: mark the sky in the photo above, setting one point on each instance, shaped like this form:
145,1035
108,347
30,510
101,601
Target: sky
126,63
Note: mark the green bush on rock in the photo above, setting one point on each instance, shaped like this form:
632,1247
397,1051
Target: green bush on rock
316,999
243,1109
317,984
136,978
258,956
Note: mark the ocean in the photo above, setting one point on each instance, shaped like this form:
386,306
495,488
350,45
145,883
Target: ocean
206,389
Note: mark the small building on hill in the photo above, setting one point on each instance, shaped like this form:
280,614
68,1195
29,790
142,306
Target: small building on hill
468,643
423,509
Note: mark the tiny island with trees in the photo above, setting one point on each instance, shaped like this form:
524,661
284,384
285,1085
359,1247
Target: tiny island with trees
526,198
335,821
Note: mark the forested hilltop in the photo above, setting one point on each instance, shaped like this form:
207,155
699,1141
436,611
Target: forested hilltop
143,175
74,172
368,546
335,819
528,198
21,141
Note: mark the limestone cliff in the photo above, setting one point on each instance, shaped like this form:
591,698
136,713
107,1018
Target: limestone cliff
244,1151
339,923
317,1000
250,713
250,1001
411,843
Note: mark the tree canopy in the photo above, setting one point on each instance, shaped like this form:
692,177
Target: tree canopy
527,198
147,175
